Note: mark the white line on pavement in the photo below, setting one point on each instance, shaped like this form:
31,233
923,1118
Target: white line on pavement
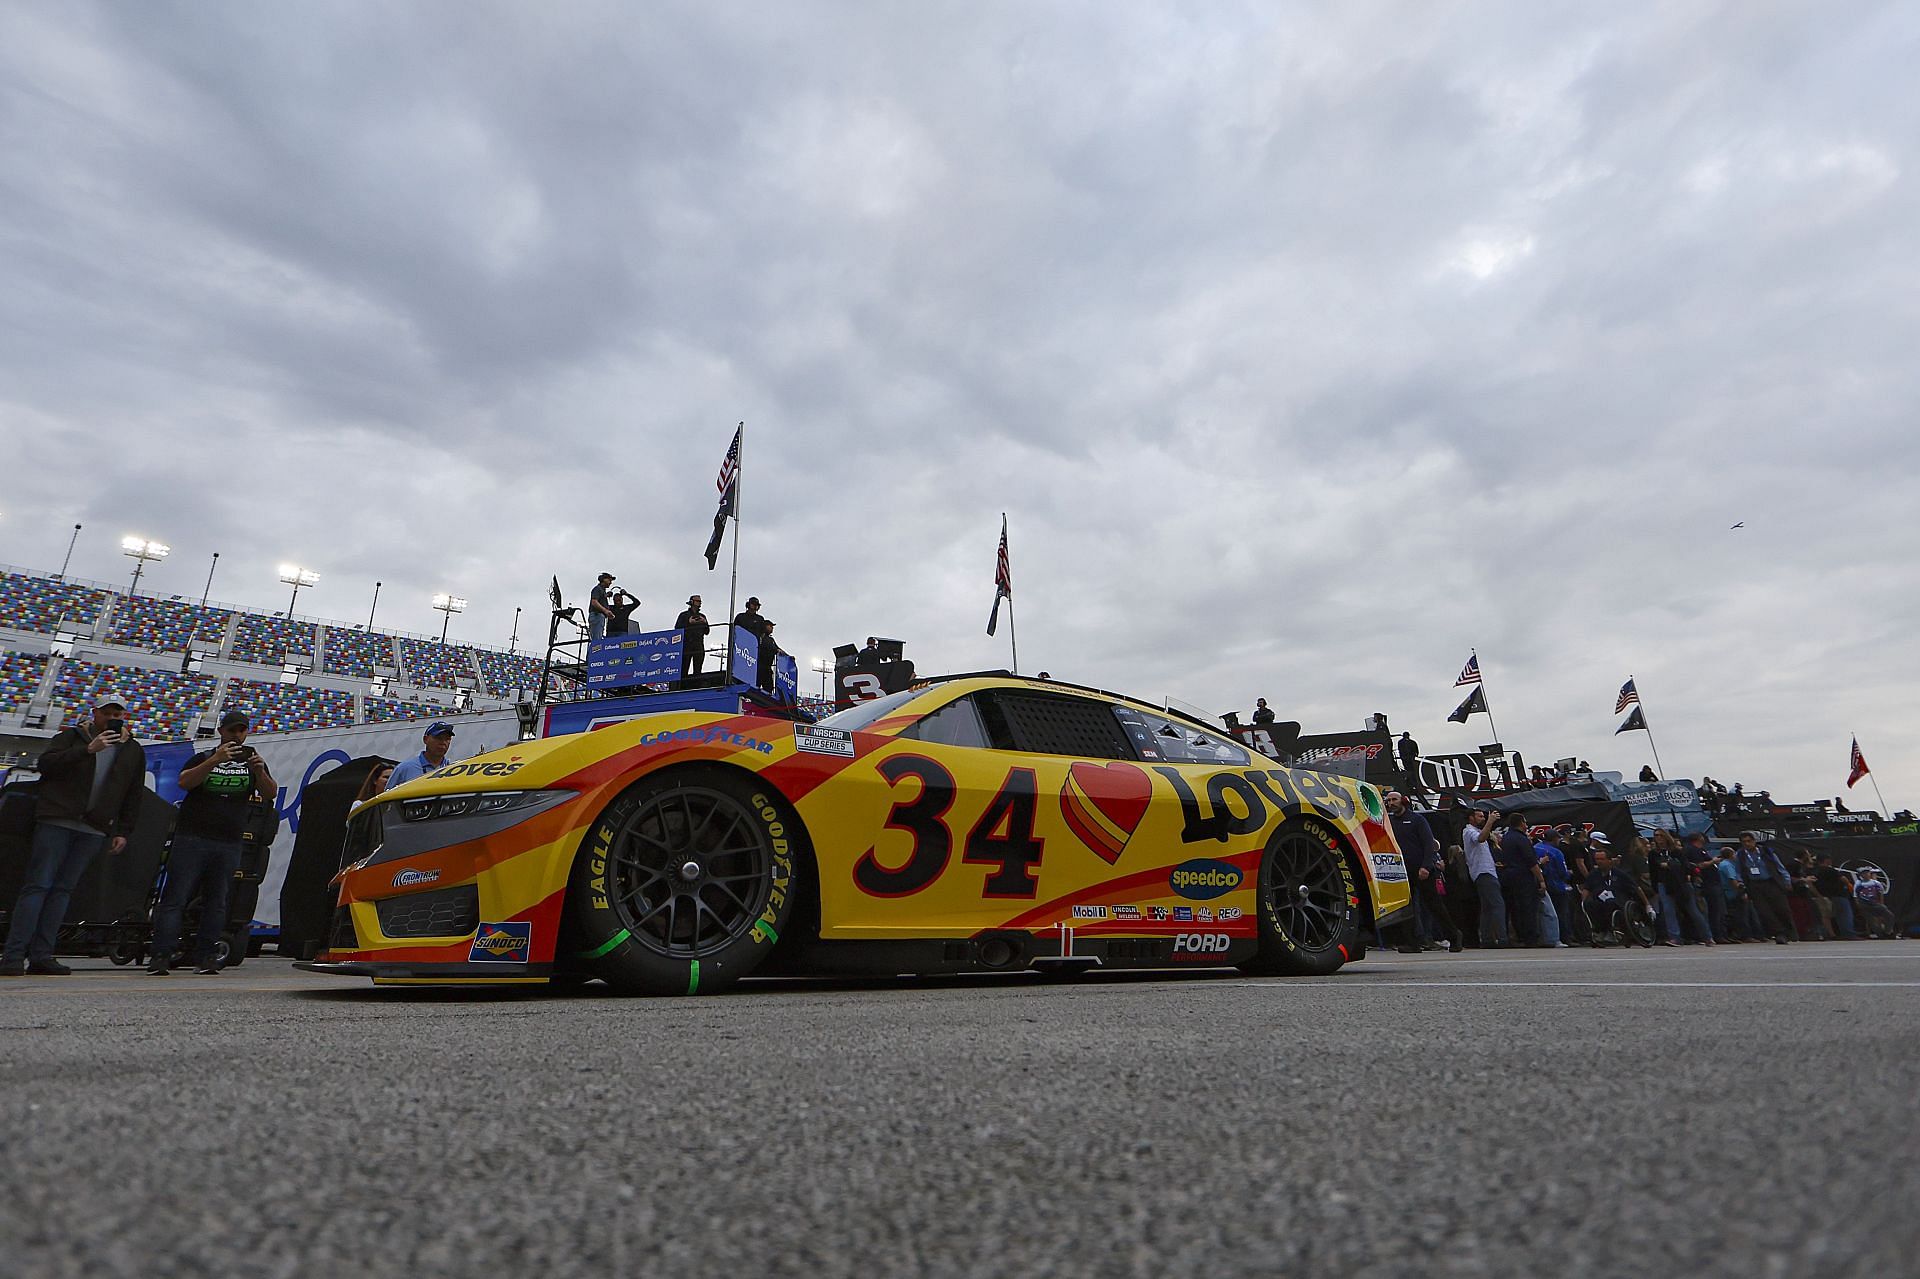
1609,985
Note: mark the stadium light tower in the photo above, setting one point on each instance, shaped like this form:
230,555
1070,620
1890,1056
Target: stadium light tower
823,667
296,577
448,606
143,552
61,576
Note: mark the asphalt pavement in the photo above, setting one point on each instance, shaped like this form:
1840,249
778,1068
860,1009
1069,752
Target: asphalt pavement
1736,1111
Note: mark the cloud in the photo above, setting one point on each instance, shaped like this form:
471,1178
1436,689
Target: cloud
1304,351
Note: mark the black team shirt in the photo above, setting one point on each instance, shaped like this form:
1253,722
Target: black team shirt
217,807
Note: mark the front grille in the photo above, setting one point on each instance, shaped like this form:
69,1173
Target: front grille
446,912
342,936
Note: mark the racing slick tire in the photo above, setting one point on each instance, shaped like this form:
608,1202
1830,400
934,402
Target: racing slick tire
1309,902
684,884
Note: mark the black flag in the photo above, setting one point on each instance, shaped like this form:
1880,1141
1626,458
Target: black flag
1634,721
1476,704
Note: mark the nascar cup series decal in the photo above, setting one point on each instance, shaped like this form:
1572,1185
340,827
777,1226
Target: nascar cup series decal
815,740
508,943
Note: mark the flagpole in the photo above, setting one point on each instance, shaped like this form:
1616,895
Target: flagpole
1015,637
1648,725
733,585
1483,694
1885,812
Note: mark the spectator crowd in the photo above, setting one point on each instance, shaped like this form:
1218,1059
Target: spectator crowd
1510,883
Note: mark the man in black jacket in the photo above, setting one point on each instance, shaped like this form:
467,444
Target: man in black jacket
91,779
1424,868
1521,880
692,623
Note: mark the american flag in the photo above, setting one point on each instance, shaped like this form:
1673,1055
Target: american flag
730,469
1858,767
728,484
1628,696
1470,673
1002,578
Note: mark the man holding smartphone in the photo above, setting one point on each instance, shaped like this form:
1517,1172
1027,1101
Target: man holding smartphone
206,842
91,778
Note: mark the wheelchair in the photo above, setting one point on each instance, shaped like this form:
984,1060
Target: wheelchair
1616,923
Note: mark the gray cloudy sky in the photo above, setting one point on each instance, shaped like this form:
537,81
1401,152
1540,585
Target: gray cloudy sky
1306,346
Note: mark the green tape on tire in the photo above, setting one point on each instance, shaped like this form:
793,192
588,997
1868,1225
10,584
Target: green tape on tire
693,977
603,947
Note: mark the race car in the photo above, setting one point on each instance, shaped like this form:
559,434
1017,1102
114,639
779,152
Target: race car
971,824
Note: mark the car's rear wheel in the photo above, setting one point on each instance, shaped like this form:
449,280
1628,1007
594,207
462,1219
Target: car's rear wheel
1309,903
684,883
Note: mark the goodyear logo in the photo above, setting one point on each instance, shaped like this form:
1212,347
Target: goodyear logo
719,736
507,943
1203,879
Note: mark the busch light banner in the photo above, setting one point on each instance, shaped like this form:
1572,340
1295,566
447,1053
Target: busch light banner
1673,806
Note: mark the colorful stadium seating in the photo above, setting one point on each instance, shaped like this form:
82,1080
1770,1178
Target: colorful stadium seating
40,603
162,706
167,625
268,640
20,676
506,673
380,710
350,651
432,665
281,708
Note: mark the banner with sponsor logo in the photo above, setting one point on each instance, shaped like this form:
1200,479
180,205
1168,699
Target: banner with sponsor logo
1894,860
1673,806
1367,755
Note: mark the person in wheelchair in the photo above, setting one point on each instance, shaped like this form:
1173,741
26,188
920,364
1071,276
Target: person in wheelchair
1615,903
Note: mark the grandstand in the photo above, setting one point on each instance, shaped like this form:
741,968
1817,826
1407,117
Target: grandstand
352,651
43,604
504,674
281,708
269,640
67,644
167,626
161,705
432,665
20,676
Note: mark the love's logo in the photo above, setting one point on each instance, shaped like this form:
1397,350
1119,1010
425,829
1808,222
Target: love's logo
1103,805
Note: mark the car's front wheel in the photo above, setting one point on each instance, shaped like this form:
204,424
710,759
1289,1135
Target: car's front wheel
684,884
1309,902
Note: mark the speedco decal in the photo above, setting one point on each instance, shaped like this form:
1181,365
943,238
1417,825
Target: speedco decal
1202,880
1388,868
508,943
1237,801
697,736
411,878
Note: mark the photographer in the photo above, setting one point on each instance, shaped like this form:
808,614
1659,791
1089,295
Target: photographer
206,842
91,779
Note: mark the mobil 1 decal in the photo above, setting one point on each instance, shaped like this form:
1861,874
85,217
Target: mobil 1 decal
1237,801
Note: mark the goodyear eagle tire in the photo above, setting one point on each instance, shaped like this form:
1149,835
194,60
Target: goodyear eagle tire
684,884
1309,903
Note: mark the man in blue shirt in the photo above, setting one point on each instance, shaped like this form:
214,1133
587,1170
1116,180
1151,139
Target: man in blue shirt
436,740
1553,870
1766,880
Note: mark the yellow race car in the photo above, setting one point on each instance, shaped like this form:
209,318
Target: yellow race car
974,824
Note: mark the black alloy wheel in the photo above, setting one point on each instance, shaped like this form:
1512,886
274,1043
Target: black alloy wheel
684,884
1309,901
689,872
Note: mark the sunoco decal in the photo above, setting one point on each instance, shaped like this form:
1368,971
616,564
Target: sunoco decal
508,943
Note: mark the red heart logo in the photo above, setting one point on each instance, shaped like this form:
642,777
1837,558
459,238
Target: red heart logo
1103,805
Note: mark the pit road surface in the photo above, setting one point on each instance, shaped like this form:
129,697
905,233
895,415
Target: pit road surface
1740,1111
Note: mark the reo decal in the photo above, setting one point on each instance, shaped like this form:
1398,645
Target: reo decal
508,943
1202,879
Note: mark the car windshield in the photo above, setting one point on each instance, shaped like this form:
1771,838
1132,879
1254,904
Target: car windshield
861,714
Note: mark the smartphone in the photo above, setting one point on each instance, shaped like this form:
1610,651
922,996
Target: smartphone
116,726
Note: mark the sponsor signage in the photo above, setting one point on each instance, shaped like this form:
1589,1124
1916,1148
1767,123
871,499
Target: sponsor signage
506,943
814,740
1203,879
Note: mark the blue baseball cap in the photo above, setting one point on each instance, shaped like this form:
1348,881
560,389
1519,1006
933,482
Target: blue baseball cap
439,728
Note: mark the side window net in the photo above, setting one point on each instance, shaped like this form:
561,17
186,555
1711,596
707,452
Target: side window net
1054,725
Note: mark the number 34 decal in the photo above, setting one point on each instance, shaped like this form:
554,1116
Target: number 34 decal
1003,838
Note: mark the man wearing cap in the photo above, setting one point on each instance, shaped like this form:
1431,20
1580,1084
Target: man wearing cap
1475,842
91,779
769,650
205,853
436,740
599,607
692,623
1427,870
